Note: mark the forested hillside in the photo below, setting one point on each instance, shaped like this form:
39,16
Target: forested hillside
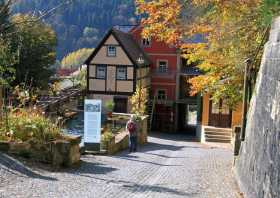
82,23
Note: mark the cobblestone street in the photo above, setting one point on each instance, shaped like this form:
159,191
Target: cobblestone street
169,166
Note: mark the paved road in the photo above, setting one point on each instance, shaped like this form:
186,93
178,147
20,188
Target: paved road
168,167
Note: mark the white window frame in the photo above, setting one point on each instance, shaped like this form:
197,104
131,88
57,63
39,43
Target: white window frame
111,51
118,72
165,94
98,75
159,66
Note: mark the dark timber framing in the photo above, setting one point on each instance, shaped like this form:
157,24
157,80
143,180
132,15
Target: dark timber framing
135,65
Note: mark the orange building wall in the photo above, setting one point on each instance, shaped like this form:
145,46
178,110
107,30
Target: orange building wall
205,110
236,113
237,116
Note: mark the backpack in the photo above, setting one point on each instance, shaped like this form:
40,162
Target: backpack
131,127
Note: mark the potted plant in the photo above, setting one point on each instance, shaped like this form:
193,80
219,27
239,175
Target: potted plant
109,105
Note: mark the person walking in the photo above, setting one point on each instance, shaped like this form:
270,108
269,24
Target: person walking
132,129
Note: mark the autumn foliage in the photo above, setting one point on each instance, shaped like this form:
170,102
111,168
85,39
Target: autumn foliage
231,31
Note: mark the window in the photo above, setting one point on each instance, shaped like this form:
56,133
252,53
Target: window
146,42
162,67
161,95
111,50
101,72
121,73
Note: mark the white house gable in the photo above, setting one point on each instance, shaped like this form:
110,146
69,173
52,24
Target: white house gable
106,55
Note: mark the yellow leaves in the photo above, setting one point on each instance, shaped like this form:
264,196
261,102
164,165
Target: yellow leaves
139,100
230,31
75,59
162,22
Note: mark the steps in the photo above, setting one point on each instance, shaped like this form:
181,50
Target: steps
221,135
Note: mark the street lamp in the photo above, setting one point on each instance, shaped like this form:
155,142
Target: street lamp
141,60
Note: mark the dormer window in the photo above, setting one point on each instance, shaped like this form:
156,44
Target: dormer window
146,42
111,51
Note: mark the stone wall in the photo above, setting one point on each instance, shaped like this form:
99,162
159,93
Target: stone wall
57,153
121,141
258,164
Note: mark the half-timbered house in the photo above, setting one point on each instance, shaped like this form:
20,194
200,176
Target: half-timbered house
114,69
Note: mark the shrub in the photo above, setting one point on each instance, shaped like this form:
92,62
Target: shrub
106,137
109,105
29,124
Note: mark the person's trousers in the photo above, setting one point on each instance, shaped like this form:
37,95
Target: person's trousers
133,143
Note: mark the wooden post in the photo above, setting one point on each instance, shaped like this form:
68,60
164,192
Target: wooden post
245,98
237,141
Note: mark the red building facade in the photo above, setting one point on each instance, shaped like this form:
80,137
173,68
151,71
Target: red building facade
165,81
171,108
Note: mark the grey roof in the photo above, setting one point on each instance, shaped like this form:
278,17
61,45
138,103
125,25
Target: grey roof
131,47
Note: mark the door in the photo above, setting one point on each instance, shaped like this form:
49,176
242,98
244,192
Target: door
219,115
120,105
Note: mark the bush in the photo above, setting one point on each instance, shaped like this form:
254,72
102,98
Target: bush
110,105
25,125
106,137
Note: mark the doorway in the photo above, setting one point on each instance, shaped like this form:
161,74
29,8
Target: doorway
219,114
120,105
187,118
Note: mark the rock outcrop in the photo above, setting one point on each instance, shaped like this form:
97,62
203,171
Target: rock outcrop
258,164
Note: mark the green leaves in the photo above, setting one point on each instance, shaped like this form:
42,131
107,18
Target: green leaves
35,43
268,9
7,59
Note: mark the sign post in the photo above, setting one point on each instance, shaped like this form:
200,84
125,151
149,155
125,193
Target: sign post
92,124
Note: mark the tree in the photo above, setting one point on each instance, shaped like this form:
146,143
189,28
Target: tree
231,31
268,9
7,56
81,78
139,101
36,44
83,14
5,23
75,59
